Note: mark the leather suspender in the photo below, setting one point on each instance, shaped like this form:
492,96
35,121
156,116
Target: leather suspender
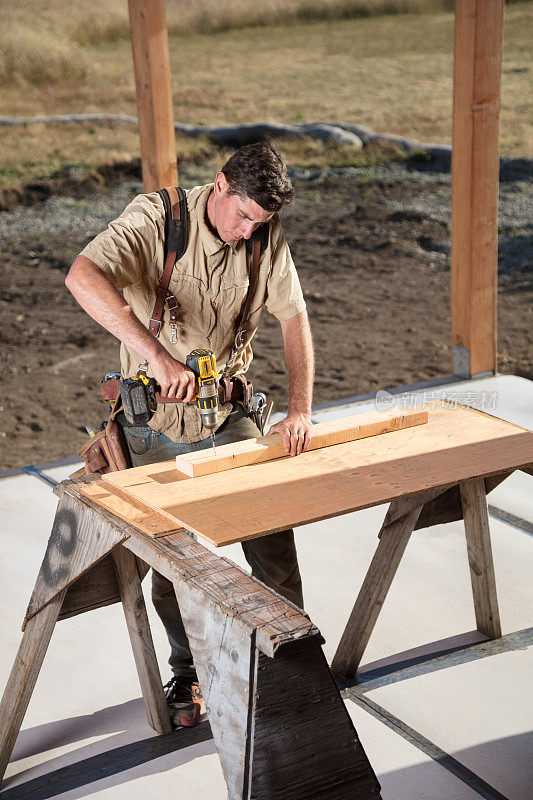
176,239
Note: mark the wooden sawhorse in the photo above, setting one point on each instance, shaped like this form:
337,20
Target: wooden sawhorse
279,724
465,500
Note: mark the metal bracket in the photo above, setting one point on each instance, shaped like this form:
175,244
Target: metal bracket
461,361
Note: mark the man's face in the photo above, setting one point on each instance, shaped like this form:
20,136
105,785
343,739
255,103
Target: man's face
233,217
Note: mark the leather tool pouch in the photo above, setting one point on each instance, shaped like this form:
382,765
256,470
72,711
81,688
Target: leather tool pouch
107,450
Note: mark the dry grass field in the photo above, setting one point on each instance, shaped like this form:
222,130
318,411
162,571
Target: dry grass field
242,61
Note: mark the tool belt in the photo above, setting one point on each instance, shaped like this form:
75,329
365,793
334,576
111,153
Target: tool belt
230,390
107,450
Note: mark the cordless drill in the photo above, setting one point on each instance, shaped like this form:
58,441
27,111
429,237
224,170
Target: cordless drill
202,363
140,394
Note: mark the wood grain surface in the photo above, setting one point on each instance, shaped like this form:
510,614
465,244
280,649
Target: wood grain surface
127,508
270,447
458,443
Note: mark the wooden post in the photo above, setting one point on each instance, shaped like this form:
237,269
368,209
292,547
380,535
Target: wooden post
475,168
151,64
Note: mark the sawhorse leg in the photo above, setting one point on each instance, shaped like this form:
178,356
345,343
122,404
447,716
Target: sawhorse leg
80,542
131,594
24,674
393,540
476,517
395,533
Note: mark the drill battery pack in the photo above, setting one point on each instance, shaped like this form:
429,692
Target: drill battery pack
138,399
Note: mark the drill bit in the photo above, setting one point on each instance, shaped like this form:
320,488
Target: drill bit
213,441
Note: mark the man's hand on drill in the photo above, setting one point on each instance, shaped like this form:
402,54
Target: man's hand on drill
295,432
176,380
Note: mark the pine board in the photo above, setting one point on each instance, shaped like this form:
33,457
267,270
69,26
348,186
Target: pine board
270,447
129,509
456,444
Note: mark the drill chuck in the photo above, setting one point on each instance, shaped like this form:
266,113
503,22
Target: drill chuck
207,402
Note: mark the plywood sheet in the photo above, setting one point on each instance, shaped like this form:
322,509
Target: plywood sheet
324,434
456,444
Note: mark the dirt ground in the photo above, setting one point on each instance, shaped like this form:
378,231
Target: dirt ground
373,258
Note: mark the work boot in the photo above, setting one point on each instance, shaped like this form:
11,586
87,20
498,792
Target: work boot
184,700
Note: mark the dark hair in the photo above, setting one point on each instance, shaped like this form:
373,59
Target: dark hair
258,173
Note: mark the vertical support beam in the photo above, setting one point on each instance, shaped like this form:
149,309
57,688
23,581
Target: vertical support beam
129,584
24,675
475,512
475,171
151,64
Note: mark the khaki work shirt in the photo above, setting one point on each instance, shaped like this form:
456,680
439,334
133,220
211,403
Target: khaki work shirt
210,284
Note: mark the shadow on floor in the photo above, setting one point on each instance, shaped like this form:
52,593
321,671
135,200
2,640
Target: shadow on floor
111,757
505,764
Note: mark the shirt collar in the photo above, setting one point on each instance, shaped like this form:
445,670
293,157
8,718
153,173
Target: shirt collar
211,243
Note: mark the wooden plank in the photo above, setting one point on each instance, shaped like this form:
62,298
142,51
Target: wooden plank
151,63
79,539
393,541
127,508
305,746
456,444
475,166
129,585
477,531
323,434
24,674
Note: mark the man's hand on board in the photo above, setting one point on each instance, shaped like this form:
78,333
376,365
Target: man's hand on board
295,431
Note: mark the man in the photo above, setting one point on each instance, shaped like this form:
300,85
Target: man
115,279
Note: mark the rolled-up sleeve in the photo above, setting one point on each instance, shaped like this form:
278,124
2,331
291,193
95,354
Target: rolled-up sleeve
284,298
127,248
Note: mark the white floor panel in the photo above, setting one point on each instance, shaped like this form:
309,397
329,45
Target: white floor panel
480,712
404,771
515,495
